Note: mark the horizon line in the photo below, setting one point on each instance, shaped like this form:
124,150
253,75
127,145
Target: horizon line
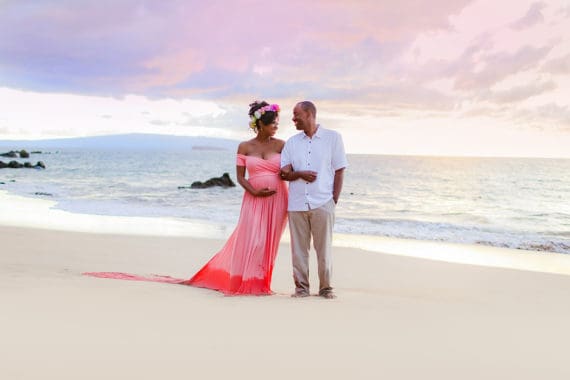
425,155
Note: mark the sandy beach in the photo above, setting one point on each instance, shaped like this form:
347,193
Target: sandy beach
396,317
135,136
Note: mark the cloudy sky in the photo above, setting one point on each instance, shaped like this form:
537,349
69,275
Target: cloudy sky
443,77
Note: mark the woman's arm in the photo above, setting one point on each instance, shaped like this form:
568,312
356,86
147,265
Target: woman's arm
240,174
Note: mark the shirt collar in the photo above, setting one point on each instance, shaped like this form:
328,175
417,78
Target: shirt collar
317,133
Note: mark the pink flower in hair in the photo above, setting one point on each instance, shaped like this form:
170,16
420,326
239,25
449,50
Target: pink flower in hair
258,113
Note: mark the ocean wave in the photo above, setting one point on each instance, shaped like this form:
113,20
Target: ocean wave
453,233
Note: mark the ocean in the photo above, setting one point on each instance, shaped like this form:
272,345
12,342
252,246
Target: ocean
521,203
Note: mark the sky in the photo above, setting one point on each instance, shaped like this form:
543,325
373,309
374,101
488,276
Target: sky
433,77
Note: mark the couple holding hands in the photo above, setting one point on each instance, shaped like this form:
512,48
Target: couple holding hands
313,162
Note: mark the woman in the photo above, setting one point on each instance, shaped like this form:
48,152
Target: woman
245,264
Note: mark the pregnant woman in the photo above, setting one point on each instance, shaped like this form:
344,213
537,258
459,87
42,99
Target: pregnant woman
245,263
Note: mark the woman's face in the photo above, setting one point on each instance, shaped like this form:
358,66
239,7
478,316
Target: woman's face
269,129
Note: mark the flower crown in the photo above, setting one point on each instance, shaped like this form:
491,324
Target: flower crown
258,113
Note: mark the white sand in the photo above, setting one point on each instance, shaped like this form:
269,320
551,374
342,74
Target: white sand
396,317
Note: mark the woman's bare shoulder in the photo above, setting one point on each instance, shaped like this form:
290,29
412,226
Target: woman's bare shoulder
244,147
279,144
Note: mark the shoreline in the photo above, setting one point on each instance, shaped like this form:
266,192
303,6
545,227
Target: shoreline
28,212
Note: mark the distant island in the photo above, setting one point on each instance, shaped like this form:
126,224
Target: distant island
198,147
133,141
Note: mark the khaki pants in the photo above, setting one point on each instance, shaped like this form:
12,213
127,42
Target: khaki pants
317,223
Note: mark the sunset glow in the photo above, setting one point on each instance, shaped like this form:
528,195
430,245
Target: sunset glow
443,77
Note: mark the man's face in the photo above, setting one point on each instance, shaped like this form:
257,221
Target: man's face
300,117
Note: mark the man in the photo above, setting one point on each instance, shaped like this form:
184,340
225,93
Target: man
314,162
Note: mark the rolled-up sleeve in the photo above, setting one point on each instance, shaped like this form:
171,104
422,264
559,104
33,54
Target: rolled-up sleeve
286,155
339,160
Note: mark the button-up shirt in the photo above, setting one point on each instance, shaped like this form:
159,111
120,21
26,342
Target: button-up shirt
324,154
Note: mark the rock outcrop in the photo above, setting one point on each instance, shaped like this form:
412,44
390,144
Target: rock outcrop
19,153
18,165
10,154
223,181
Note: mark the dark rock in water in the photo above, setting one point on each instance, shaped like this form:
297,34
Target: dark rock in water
36,152
15,154
223,181
44,194
17,165
11,154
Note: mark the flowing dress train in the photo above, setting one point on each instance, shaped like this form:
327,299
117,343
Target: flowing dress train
245,263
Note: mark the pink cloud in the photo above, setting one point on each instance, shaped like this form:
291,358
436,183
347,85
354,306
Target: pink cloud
558,66
498,66
355,54
518,93
169,68
532,17
548,116
139,45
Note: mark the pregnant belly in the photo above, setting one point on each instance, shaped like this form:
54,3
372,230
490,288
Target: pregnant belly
271,181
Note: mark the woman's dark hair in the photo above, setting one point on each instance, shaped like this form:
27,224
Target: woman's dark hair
267,118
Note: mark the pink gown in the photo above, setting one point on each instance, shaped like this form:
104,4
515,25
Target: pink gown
245,263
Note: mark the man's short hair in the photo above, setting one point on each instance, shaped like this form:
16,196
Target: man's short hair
308,106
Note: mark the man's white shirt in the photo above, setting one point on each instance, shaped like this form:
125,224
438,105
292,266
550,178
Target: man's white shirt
324,154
